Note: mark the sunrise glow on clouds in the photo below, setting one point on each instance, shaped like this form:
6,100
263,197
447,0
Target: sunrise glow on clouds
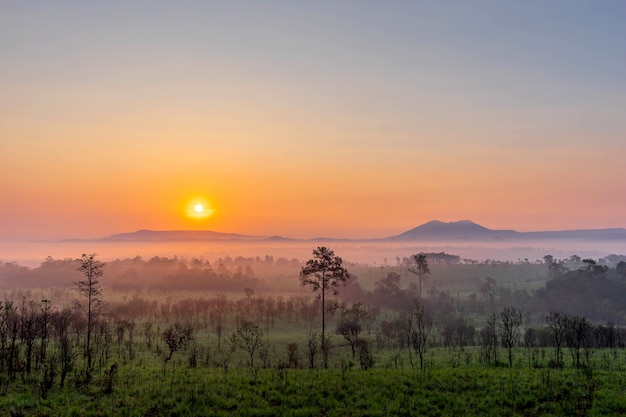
358,119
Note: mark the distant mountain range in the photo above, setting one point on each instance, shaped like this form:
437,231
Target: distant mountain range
433,231
179,235
466,230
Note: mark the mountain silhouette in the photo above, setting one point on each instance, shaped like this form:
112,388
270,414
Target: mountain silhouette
181,235
433,231
453,231
466,230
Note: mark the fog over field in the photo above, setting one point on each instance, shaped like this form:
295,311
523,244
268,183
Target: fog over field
364,252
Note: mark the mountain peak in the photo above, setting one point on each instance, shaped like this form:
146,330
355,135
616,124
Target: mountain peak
458,230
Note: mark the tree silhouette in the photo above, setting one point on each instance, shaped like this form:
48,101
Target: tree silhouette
352,323
249,337
511,321
91,289
176,337
419,335
420,269
558,324
324,272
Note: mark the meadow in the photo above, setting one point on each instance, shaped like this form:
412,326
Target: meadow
204,380
245,350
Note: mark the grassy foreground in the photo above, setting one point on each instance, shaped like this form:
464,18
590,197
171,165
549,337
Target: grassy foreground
469,391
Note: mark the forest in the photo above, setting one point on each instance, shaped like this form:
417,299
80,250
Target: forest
428,334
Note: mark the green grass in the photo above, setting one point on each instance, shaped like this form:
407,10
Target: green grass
142,388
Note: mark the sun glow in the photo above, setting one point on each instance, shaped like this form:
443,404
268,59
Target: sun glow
199,209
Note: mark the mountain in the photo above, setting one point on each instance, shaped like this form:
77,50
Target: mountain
454,231
433,231
179,235
466,230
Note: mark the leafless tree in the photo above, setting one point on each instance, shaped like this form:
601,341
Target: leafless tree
558,324
248,337
489,340
312,349
577,336
511,320
421,331
28,330
176,337
352,323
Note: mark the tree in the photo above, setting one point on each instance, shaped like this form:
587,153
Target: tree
61,323
489,340
556,269
324,272
352,323
9,330
558,324
419,336
420,269
43,327
248,337
176,337
389,285
577,335
90,288
511,321
28,329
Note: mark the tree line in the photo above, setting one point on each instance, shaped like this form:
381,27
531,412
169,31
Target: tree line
44,344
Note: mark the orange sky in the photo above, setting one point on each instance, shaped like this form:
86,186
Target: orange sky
113,122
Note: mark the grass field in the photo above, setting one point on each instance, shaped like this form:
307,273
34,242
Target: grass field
220,382
182,391
213,376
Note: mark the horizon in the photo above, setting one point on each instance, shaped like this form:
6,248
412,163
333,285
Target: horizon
234,232
350,120
301,238
368,251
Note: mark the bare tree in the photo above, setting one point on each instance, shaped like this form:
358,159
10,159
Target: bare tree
489,340
44,327
324,272
405,331
9,330
421,331
219,321
248,337
420,268
532,348
61,322
148,334
90,288
28,330
176,337
352,323
577,335
312,349
558,325
511,319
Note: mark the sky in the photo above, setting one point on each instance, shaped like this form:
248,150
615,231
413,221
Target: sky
304,119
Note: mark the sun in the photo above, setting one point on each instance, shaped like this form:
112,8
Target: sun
199,209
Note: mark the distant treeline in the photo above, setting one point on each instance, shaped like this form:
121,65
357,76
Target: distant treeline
224,274
576,286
